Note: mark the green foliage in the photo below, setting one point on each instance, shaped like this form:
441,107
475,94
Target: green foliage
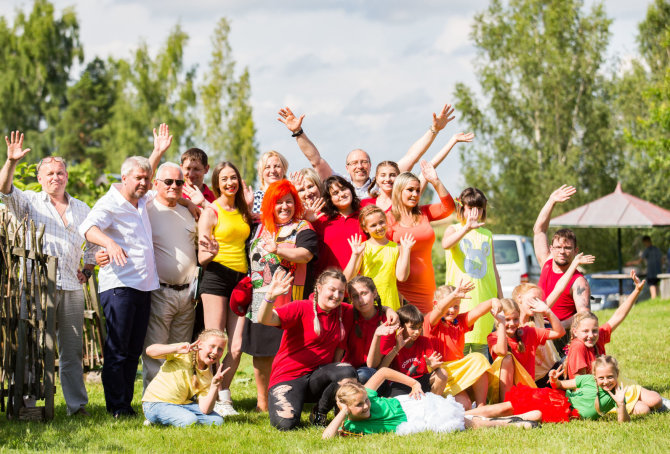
225,101
25,177
36,54
546,116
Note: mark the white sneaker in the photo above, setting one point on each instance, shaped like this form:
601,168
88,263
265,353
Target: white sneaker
146,423
225,409
665,405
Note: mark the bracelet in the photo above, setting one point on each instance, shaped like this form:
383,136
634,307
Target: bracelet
297,133
269,301
433,130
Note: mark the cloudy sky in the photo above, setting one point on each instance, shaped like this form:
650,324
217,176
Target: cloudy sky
367,73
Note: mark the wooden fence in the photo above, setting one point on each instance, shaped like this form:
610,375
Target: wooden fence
27,321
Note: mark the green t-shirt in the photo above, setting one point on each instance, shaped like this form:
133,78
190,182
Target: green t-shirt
386,415
584,397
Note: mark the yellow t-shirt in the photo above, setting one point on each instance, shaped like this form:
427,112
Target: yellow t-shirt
472,257
172,384
379,263
231,232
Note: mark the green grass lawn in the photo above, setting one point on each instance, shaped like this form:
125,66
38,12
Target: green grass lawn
641,345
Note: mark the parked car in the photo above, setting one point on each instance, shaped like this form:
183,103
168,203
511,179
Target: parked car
605,292
515,260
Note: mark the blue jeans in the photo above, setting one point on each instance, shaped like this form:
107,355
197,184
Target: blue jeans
169,414
365,373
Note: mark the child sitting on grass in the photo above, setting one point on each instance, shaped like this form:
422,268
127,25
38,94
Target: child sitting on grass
588,342
412,354
446,328
184,391
362,411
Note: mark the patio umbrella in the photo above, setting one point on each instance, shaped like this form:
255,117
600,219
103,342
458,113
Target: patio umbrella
616,210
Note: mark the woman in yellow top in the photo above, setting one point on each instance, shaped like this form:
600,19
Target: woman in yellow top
224,227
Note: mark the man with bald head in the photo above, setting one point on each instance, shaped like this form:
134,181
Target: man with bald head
60,214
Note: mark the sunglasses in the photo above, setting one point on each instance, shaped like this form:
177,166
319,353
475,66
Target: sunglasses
49,159
170,181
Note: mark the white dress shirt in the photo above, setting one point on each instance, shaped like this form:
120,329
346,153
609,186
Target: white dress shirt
60,240
130,228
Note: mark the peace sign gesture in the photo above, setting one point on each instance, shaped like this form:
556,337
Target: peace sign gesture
217,379
185,347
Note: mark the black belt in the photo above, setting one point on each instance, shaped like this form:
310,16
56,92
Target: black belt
175,287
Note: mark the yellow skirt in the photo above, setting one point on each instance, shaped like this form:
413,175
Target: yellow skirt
463,373
521,376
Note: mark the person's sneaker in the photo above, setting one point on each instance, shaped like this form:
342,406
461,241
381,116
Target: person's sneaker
146,423
665,405
318,419
81,412
225,409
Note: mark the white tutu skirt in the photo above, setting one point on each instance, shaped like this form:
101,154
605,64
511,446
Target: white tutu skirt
431,413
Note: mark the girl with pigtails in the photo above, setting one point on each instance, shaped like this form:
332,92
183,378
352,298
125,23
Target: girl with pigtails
304,370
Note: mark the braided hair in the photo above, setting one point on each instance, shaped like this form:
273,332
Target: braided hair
370,284
205,334
330,273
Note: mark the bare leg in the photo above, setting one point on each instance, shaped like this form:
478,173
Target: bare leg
480,389
653,290
438,381
492,411
463,399
479,423
214,311
262,369
235,325
506,376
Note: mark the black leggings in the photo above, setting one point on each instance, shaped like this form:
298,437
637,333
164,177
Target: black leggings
286,399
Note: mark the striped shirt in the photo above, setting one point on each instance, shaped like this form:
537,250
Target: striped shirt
60,240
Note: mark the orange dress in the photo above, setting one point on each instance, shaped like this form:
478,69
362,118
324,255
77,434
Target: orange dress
419,288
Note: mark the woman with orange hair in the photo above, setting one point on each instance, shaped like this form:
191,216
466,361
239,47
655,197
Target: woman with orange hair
282,240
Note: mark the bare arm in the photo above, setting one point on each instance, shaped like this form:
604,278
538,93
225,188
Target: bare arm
623,310
385,373
495,270
454,234
207,250
338,355
540,240
480,310
402,268
116,253
424,142
162,141
160,351
500,348
206,403
444,152
357,250
580,259
310,151
374,353
15,153
581,294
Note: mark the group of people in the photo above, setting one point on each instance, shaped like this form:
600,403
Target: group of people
327,281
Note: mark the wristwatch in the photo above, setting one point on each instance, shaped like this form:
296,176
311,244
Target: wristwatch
87,272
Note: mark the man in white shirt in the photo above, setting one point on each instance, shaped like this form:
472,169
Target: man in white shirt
60,213
119,222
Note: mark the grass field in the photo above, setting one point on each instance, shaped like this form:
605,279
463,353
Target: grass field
641,344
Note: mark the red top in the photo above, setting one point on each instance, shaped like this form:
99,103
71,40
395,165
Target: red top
359,347
409,356
206,192
334,233
580,356
419,287
531,338
301,351
564,307
448,338
372,201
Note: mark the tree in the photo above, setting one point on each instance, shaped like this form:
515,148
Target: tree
36,55
546,116
228,127
151,91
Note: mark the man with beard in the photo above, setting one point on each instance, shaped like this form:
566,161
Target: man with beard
119,222
556,259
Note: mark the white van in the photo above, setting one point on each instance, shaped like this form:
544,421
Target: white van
515,260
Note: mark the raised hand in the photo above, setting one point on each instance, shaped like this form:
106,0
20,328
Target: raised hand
407,242
639,285
463,137
248,193
217,379
472,222
582,259
269,243
357,245
15,151
194,193
428,172
313,209
441,119
292,123
464,287
619,395
209,245
554,374
297,178
400,341
162,138
496,307
280,284
185,347
343,407
385,329
434,360
563,193
538,306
